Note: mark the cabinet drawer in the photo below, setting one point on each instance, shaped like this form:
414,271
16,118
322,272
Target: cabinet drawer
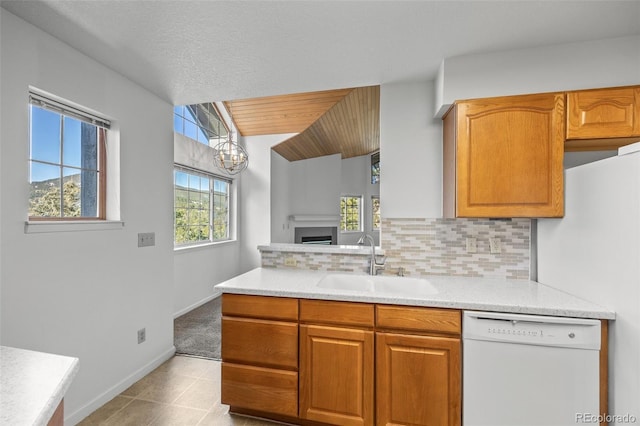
260,342
260,389
340,313
428,320
277,308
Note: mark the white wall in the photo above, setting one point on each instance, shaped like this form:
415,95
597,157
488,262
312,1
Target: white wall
85,294
281,228
356,180
255,198
315,185
410,152
600,63
198,269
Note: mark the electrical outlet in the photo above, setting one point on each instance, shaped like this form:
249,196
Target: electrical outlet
142,335
472,245
290,261
146,239
495,245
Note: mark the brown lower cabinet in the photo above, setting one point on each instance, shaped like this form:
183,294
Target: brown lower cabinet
418,380
336,375
314,362
260,354
57,418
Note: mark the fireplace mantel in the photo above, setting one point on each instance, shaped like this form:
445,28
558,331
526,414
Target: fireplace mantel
314,218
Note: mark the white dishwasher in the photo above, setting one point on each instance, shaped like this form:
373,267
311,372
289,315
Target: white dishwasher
529,370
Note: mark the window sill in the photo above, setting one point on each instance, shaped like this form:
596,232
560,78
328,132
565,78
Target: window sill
38,227
187,248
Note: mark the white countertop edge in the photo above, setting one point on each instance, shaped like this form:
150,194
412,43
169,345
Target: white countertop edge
59,393
354,250
486,307
48,378
484,294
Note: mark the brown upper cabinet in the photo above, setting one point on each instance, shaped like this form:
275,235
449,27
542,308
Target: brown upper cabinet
602,119
503,157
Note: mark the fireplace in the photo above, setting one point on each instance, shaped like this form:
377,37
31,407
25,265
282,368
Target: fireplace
323,235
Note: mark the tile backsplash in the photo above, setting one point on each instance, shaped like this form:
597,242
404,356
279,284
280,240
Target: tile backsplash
431,247
438,247
315,261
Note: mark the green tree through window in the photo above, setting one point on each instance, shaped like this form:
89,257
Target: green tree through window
201,208
67,165
350,213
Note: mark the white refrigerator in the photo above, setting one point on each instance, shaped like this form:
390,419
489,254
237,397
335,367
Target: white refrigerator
594,253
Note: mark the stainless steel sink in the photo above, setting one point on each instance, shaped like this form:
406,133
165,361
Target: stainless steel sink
388,285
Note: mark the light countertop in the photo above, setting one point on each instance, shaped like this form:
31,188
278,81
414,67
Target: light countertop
482,294
32,384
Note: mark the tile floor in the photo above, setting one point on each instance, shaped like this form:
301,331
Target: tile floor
182,391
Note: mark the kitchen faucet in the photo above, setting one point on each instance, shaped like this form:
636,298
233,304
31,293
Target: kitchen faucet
374,265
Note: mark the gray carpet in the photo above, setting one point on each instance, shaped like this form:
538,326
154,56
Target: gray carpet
197,333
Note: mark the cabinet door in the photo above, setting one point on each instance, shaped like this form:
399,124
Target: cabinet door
603,113
336,375
509,155
418,380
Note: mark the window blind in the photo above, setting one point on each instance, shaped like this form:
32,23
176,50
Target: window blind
68,110
199,172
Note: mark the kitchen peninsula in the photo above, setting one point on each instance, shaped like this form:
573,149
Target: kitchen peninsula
484,294
306,346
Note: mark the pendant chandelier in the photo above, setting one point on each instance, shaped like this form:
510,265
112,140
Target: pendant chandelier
231,157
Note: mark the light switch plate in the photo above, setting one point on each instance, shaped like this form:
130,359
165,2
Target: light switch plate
146,239
472,245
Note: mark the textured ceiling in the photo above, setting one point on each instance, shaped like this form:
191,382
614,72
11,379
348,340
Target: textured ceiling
199,51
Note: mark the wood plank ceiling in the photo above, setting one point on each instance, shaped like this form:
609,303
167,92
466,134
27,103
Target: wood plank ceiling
345,121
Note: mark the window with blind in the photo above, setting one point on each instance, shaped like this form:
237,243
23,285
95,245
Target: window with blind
201,207
67,161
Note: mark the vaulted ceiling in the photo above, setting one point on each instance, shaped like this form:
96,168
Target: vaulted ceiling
282,114
191,52
344,121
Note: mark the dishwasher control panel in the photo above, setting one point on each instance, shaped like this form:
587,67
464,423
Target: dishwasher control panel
532,329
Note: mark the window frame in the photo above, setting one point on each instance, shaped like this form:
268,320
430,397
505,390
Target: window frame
212,177
375,168
360,216
373,214
201,129
65,109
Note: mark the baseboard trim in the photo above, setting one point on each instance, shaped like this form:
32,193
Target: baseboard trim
199,303
78,415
